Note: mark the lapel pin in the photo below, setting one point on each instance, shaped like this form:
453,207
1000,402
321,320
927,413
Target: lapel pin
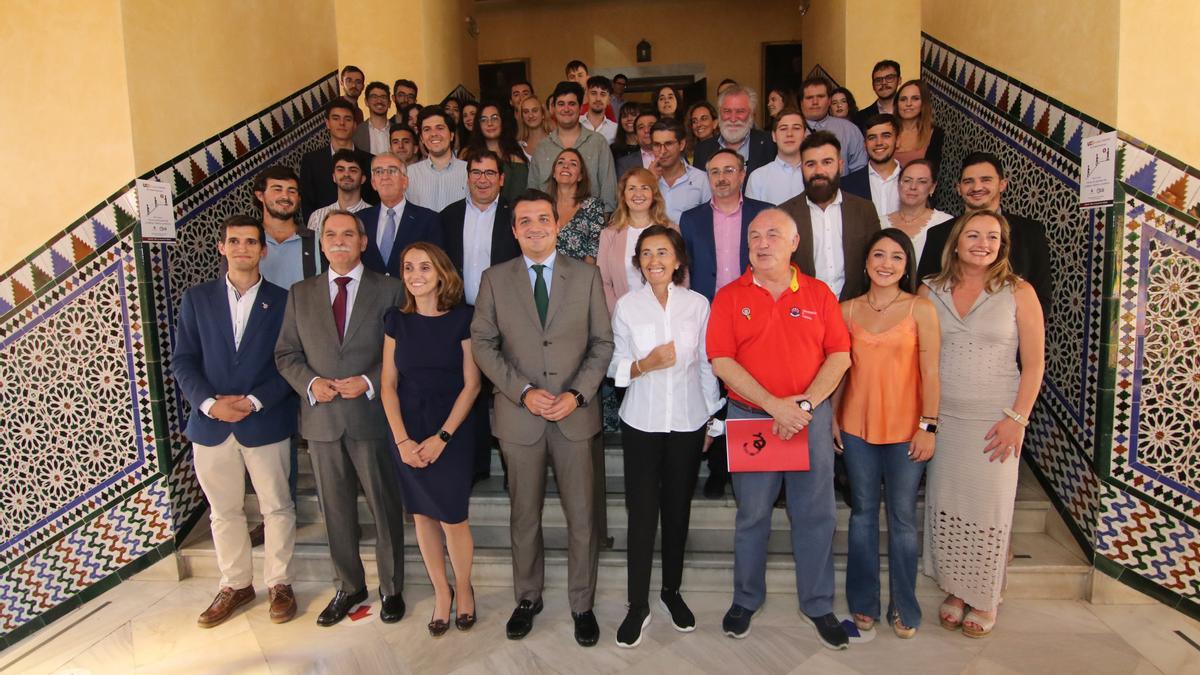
265,306
746,313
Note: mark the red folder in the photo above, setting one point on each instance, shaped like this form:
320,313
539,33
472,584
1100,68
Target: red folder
750,446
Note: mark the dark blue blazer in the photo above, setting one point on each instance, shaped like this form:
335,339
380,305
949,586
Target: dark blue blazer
205,364
858,183
417,223
696,225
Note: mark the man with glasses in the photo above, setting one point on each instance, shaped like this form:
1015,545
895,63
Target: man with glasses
396,222
682,185
404,92
885,78
372,135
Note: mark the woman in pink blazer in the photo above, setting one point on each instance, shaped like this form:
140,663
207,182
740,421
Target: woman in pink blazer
639,205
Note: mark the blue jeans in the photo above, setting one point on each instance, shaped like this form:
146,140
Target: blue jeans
869,466
811,511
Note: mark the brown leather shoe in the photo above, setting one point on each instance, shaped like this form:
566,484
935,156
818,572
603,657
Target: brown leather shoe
283,603
223,605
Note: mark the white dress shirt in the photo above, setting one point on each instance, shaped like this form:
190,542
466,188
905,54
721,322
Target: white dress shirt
829,260
240,306
885,192
380,138
607,129
351,293
690,189
775,182
547,274
679,398
477,246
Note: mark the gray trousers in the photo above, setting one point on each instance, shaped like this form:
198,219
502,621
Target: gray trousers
572,464
340,467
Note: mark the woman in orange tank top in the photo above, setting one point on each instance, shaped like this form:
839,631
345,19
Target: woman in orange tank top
887,413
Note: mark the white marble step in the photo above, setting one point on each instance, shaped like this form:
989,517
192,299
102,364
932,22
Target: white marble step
1041,568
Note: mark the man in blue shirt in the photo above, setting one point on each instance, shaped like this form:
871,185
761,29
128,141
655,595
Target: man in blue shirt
814,104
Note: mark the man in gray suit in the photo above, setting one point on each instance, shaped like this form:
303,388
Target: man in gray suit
542,335
330,350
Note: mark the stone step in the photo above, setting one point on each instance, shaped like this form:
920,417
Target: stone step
1041,568
490,506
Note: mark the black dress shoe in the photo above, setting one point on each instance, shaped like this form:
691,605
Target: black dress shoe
714,486
587,631
391,607
340,606
521,621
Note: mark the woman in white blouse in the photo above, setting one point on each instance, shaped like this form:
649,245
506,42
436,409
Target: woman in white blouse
915,216
672,394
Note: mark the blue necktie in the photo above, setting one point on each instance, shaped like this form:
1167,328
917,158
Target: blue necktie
389,236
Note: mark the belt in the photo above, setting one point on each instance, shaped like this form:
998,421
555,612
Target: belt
745,407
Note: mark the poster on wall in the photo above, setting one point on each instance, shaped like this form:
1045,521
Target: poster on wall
156,210
1098,170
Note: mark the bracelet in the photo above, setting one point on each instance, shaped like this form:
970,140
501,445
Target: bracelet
927,418
638,366
1017,417
403,440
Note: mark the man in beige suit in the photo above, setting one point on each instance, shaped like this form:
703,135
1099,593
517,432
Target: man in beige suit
543,336
834,226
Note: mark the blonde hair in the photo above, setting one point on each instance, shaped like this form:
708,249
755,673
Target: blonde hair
658,206
523,130
999,274
450,285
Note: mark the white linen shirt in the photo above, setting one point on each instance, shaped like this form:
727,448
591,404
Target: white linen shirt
885,192
477,246
829,261
775,183
679,398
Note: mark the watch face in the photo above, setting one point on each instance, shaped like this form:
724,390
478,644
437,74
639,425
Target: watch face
806,405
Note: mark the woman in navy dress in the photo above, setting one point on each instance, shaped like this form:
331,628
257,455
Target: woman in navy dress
428,390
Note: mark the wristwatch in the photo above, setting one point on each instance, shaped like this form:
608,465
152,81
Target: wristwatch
580,401
805,405
521,401
927,426
445,435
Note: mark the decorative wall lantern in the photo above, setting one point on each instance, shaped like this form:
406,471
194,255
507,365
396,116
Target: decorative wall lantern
643,51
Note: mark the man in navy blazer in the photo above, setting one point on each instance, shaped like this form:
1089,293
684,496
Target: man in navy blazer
709,264
242,418
396,222
736,109
714,237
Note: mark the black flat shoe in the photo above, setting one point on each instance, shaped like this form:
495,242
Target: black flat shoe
521,621
438,627
391,607
340,606
587,631
464,622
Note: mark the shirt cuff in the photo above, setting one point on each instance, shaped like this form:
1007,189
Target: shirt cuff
622,377
716,428
312,400
206,406
258,406
370,388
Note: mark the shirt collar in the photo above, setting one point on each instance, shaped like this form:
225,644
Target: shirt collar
548,262
727,213
895,172
794,285
784,163
249,291
355,274
490,207
398,208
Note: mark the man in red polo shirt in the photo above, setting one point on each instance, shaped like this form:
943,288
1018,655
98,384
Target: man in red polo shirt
777,340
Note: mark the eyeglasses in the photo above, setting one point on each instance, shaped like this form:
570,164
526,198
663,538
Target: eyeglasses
490,118
723,171
482,173
386,171
885,78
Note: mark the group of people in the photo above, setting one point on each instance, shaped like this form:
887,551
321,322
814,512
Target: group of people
433,305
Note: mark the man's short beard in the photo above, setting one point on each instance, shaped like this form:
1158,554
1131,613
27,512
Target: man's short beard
281,215
730,137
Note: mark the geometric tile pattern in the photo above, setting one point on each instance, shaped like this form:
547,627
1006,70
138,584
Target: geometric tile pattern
86,492
1137,498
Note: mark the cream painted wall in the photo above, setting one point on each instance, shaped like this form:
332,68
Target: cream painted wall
1066,49
422,40
876,31
726,36
1159,87
64,117
197,66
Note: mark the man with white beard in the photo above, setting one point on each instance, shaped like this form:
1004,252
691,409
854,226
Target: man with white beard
735,107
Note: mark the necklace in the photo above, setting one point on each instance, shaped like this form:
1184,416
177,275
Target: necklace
896,297
909,221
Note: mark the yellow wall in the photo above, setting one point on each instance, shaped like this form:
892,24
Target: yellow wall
1066,49
425,41
825,38
878,31
64,117
197,66
1159,87
727,36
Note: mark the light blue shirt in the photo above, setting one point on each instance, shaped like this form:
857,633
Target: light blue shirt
547,274
477,246
854,153
284,264
435,189
381,223
743,149
690,189
775,183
